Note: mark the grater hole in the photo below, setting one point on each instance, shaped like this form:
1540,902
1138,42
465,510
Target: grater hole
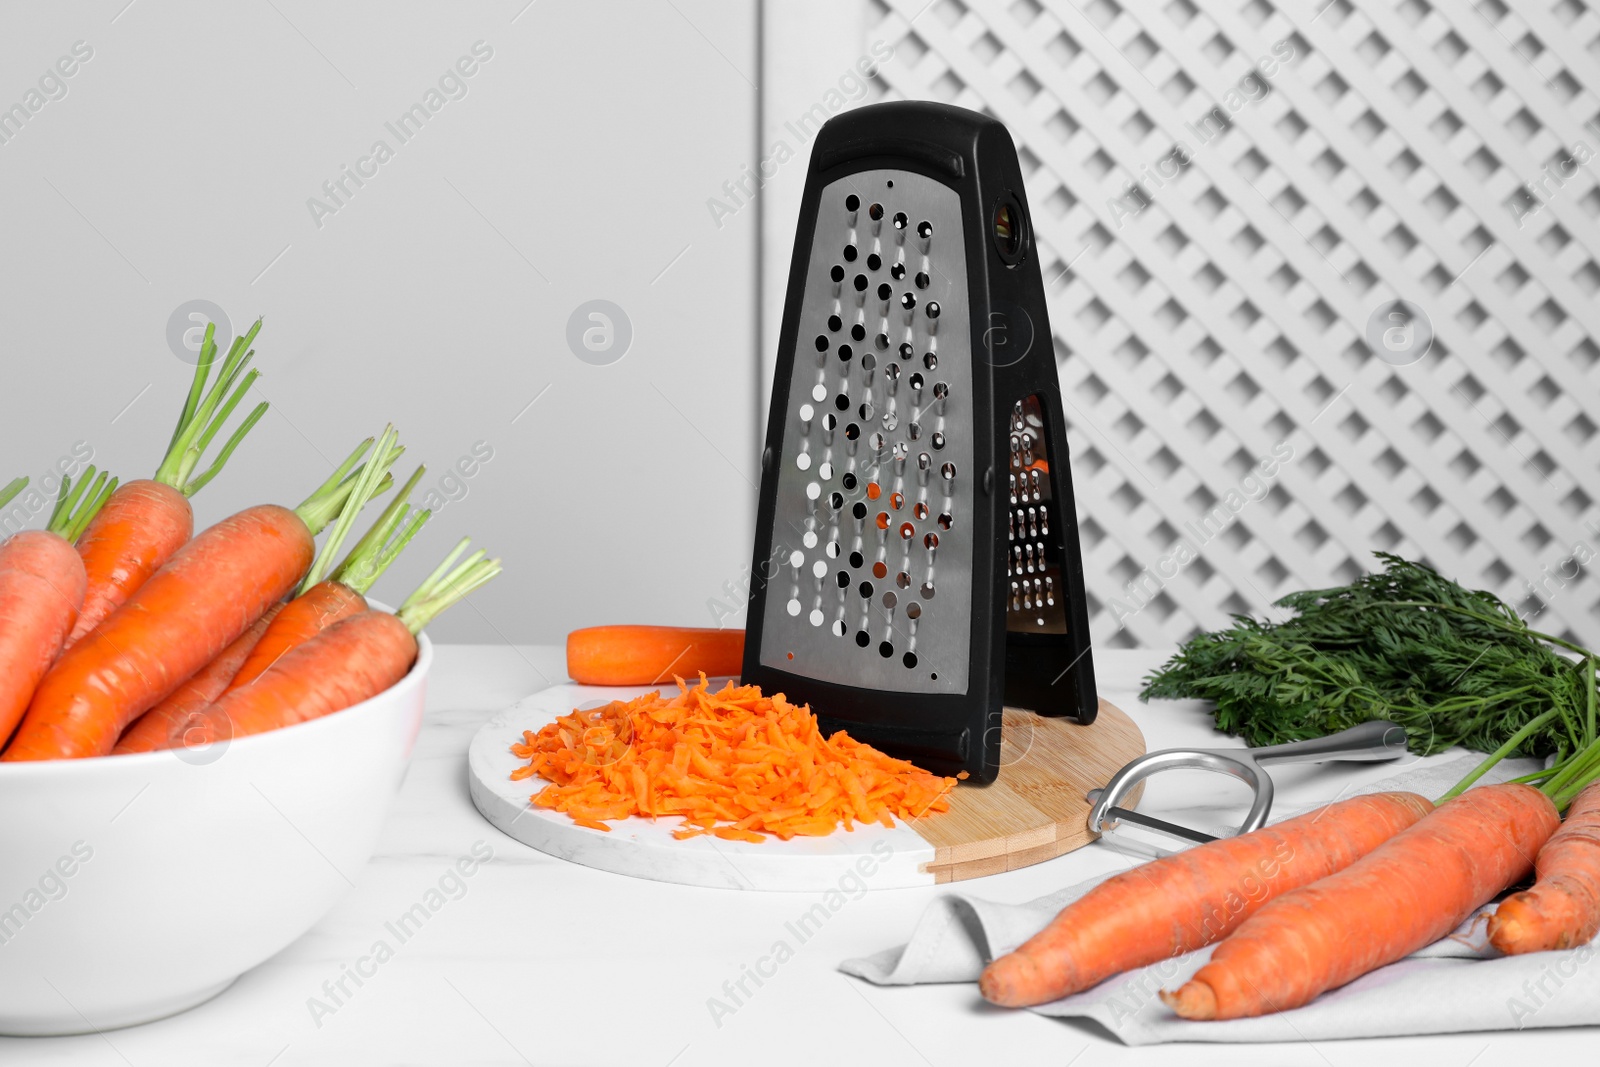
868,362
822,342
803,461
849,255
903,580
858,332
875,212
931,541
890,600
791,655
900,220
852,202
922,280
874,261
861,283
874,490
907,531
906,351
910,660
825,471
813,491
924,229
886,650
883,520
794,607
865,590
921,510
882,341
938,439
820,569
837,274
852,432
897,501
810,541
849,480
846,353
835,323
927,590
838,628
933,309
836,501
913,610
946,520
915,429
844,579
856,560
908,300
931,361
816,616
863,638
832,550
885,291
866,411
820,393
842,402
897,271
880,570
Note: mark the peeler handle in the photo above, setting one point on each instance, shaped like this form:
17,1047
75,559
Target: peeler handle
1379,739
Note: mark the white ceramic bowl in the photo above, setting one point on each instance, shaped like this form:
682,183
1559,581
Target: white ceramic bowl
133,887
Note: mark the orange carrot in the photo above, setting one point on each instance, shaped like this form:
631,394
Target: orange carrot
323,602
1190,899
41,590
350,661
1563,907
148,520
651,655
1407,893
164,725
177,622
734,763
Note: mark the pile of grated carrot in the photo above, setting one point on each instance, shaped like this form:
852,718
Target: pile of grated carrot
732,763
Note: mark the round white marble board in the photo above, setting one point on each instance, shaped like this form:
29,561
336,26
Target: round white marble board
644,848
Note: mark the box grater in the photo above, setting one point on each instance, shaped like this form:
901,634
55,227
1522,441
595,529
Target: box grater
916,564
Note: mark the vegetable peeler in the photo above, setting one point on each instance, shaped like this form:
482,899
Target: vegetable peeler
1370,741
916,564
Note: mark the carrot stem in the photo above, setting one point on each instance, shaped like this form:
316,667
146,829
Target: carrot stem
363,489
11,489
1499,754
385,541
206,410
323,505
74,510
449,583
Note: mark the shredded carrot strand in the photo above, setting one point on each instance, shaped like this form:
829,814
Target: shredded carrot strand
734,764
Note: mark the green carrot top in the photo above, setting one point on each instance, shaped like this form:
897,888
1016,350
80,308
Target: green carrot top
206,410
74,508
350,483
9,491
449,583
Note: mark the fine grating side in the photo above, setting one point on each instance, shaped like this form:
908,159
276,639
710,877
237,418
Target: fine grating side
871,568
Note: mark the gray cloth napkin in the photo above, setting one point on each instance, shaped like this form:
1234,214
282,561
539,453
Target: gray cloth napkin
1454,985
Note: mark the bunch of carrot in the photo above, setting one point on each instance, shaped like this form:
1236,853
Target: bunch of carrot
732,763
1315,902
123,630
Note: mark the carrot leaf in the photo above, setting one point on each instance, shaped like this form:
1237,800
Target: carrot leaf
324,505
9,491
387,538
205,410
75,508
449,583
362,490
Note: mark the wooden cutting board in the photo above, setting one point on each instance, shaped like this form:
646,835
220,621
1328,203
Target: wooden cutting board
1034,811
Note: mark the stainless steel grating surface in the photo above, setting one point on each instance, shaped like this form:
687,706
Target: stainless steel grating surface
1235,434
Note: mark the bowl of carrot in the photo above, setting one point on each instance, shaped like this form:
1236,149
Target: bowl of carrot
200,732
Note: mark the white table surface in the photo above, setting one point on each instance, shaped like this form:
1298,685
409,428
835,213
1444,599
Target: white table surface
540,961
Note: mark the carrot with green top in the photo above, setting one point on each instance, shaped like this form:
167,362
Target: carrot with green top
41,590
323,601
9,491
149,519
351,661
195,606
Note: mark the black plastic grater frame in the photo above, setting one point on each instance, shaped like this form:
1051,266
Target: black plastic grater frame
1011,627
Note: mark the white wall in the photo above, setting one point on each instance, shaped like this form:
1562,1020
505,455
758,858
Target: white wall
179,164
1210,317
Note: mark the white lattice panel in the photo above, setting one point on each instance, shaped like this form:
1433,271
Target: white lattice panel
1227,316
